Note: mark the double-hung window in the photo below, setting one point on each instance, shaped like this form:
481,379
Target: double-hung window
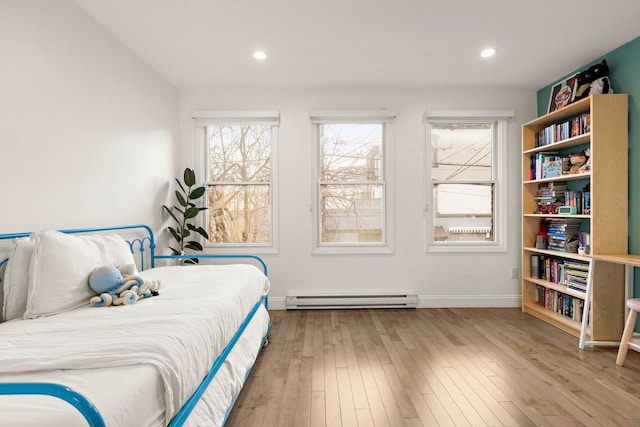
466,195
352,200
238,152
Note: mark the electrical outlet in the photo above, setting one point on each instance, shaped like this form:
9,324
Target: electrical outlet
515,273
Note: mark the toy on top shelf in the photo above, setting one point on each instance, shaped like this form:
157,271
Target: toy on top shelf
593,80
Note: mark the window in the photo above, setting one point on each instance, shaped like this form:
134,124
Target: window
238,159
466,188
351,176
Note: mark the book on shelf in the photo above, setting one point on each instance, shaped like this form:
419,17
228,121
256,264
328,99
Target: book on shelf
551,189
570,273
560,131
537,161
560,303
584,243
576,275
562,234
574,198
586,202
553,168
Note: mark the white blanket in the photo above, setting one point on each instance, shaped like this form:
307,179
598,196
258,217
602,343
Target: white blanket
180,332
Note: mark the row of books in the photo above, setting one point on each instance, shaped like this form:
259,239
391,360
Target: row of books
545,164
580,200
553,195
576,274
559,302
578,125
571,273
562,234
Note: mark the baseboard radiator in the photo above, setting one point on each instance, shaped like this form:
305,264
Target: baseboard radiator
321,302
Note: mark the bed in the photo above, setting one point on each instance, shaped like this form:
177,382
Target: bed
178,358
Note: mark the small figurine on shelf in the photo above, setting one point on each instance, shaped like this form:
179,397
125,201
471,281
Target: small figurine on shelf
549,206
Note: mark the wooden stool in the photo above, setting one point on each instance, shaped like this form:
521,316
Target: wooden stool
625,342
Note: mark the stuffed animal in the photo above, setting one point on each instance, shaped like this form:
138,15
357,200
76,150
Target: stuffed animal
576,161
114,289
592,81
586,167
600,79
583,84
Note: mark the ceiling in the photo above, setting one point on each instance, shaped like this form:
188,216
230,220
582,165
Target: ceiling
367,42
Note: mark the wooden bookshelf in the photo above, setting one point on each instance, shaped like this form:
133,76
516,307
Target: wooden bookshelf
606,223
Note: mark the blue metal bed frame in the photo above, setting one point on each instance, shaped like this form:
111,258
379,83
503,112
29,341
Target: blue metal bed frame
84,405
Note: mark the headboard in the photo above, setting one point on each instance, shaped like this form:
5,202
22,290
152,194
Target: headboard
141,241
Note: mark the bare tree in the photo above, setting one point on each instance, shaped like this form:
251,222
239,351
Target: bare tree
239,183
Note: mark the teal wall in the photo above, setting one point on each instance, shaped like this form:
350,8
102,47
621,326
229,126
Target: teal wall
624,74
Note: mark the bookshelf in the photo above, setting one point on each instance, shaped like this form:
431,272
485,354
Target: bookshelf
603,223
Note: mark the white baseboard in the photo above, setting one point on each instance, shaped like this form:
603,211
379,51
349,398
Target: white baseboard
441,301
469,301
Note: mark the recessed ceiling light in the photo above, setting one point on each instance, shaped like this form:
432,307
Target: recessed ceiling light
260,54
488,53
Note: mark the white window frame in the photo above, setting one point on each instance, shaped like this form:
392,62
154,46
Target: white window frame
385,117
499,178
202,119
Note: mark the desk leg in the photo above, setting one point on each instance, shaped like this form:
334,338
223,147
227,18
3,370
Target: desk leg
587,301
628,285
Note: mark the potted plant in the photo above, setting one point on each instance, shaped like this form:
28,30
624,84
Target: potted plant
184,214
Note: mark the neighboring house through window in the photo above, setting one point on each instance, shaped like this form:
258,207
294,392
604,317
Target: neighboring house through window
466,169
352,200
238,150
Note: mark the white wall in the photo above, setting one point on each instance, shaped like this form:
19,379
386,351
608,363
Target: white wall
90,135
479,279
87,130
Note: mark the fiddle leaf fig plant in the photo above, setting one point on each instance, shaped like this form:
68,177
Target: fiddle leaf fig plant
184,214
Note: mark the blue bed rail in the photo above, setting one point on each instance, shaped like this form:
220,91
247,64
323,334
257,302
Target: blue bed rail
141,243
86,408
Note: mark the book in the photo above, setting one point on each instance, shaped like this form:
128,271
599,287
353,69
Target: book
537,161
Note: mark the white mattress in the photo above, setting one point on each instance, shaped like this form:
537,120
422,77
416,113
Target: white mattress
131,393
128,396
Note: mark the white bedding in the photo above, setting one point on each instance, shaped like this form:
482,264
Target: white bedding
179,333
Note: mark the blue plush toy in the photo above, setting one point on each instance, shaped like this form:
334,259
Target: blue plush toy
114,289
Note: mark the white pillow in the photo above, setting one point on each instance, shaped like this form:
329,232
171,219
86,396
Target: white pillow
16,279
60,269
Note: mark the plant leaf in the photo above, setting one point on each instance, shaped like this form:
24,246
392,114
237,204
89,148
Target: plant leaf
197,193
196,246
180,185
171,214
189,177
175,234
201,231
180,198
191,212
185,232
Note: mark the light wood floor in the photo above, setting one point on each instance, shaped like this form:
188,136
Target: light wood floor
430,367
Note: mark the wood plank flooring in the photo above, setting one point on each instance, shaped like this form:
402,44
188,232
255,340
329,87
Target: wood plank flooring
433,367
